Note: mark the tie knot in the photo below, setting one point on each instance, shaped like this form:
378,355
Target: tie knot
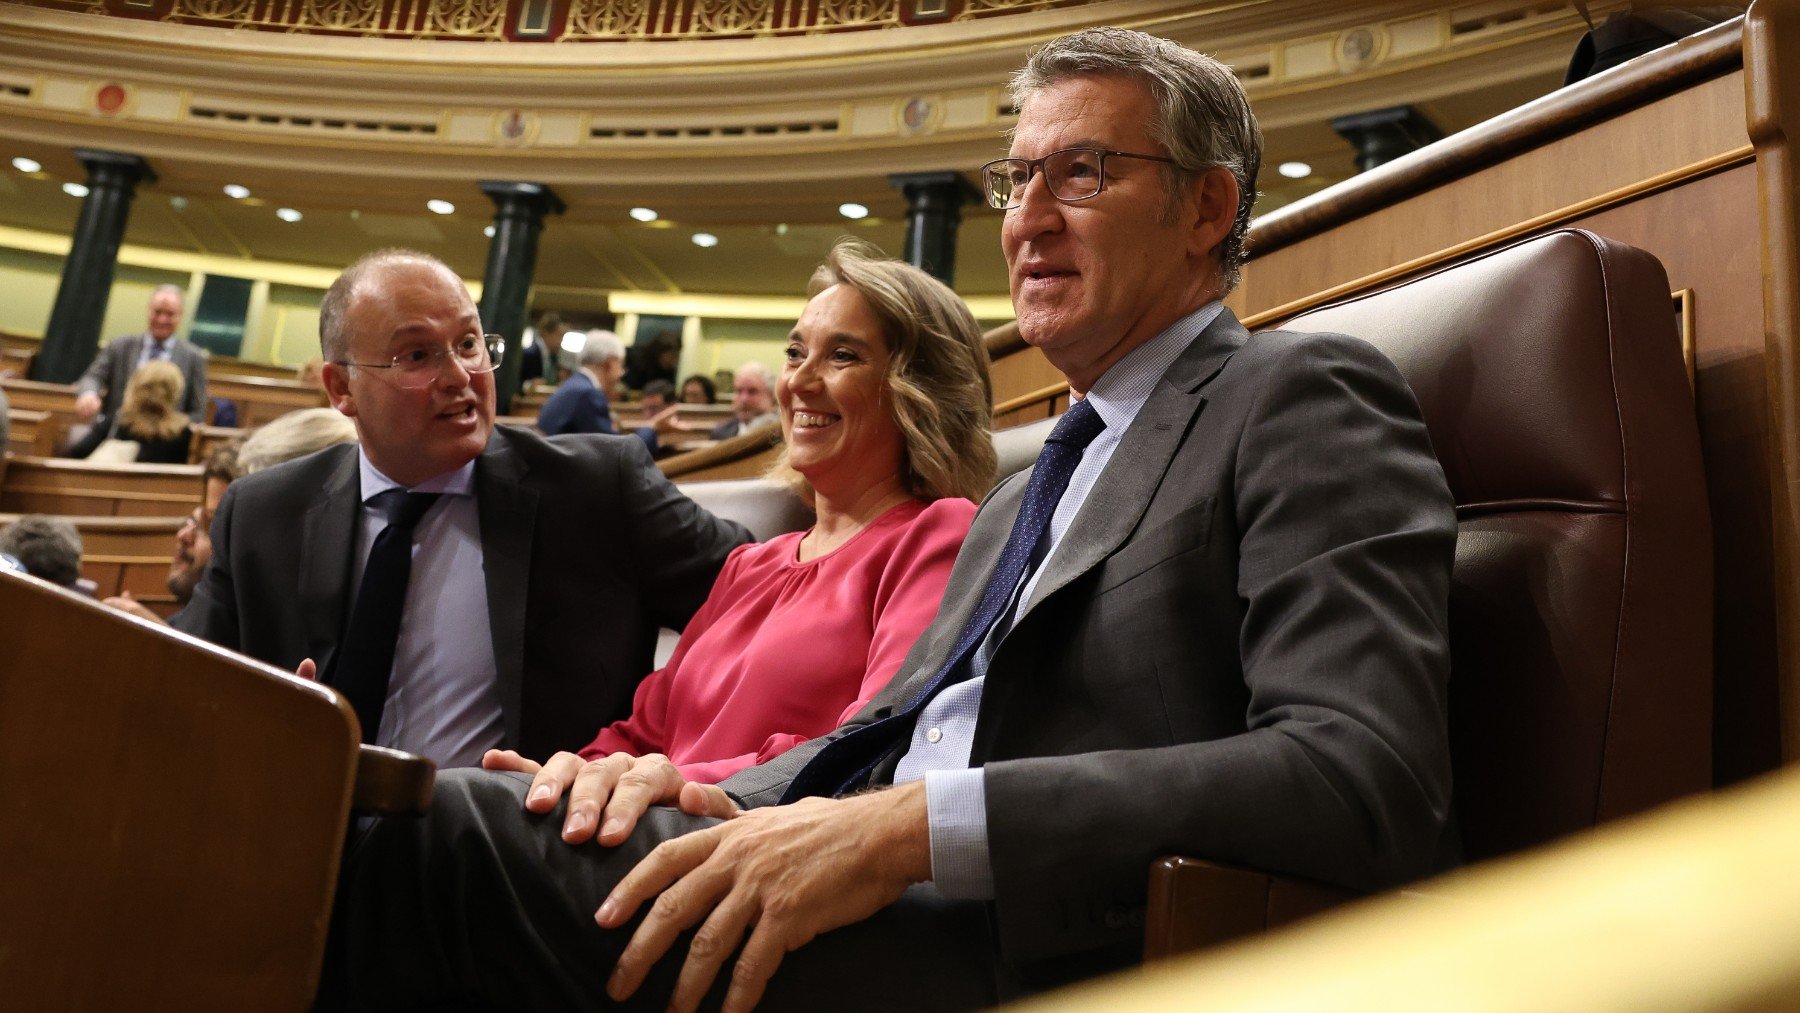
403,509
1078,426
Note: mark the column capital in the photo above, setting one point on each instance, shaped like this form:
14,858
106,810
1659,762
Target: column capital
535,199
950,186
127,169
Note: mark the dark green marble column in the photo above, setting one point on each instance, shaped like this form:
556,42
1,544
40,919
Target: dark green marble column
519,210
73,334
934,203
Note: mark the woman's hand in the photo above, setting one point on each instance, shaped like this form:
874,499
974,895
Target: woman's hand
610,793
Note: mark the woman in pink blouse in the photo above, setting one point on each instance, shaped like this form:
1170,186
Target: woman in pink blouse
884,401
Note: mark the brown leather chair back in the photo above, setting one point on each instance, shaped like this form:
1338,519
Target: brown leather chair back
1551,377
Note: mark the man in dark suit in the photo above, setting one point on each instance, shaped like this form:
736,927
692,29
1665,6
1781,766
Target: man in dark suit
752,401
1210,620
103,384
581,404
537,572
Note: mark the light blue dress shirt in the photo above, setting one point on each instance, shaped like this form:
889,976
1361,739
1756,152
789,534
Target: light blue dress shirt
955,795
443,700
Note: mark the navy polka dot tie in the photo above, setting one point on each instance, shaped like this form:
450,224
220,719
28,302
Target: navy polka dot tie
847,761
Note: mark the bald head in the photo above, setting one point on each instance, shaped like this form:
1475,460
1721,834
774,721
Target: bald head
361,278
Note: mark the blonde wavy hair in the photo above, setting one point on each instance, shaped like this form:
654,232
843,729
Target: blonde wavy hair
937,376
150,408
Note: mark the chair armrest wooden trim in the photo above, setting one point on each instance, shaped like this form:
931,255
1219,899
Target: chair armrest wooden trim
391,783
1194,904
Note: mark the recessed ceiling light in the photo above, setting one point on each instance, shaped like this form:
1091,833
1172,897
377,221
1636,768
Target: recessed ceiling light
24,164
178,203
236,192
853,211
1294,170
643,214
781,229
488,232
75,189
441,207
287,214
705,239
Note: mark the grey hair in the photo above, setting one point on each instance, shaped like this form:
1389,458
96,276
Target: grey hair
601,347
295,434
50,547
172,289
1203,117
761,371
334,336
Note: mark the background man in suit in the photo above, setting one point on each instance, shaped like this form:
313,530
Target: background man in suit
465,586
752,401
539,362
1210,620
101,387
581,403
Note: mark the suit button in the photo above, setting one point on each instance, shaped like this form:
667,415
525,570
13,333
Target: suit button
934,736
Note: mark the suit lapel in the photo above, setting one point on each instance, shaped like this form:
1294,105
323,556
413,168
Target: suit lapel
327,533
1124,489
508,514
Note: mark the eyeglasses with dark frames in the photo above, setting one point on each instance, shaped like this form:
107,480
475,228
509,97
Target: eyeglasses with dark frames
1072,174
417,367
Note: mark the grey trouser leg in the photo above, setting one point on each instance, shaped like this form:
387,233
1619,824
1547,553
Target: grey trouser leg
481,905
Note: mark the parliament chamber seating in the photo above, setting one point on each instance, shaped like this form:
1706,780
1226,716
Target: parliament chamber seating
1551,378
126,554
40,485
29,433
174,813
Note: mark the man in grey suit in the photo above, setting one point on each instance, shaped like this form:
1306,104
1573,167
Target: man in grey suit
1211,620
100,388
539,571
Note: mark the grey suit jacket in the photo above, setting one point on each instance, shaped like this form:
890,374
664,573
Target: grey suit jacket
587,550
1238,651
111,370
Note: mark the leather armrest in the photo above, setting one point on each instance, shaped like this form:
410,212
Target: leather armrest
1195,903
391,783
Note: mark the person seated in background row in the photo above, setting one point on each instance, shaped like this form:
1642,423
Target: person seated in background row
884,401
538,359
752,401
652,360
102,386
698,389
48,547
465,586
657,395
287,438
150,417
582,403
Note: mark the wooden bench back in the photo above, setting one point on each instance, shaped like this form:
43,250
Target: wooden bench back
40,485
184,853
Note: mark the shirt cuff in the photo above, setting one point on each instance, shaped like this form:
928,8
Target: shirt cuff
956,801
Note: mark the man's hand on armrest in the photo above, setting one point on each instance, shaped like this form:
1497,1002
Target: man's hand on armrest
609,793
782,874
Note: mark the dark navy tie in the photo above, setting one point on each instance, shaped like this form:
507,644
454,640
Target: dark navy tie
365,658
848,760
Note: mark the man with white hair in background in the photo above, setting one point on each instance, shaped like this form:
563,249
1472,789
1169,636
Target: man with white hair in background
752,401
581,403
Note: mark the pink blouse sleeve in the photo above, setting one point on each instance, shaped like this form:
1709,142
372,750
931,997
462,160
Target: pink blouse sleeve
643,730
906,598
